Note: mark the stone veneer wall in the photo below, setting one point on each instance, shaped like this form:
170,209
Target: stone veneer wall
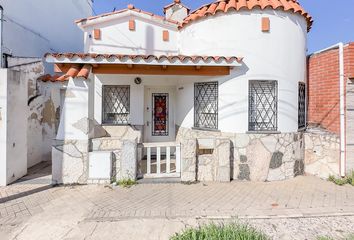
254,157
215,166
123,142
70,161
322,154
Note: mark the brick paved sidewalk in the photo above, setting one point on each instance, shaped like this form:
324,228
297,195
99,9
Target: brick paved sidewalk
300,197
33,202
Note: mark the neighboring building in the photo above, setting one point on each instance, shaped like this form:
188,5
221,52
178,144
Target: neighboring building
27,113
40,23
326,107
215,95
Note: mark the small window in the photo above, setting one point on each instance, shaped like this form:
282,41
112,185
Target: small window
116,105
302,106
206,105
263,106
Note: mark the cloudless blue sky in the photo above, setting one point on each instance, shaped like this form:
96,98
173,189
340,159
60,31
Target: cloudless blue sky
334,19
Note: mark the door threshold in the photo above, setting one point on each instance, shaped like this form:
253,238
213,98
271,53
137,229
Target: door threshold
159,180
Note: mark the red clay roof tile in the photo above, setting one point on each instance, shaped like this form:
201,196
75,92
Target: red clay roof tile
227,5
75,70
173,58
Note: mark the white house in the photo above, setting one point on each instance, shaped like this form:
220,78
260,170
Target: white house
211,95
27,113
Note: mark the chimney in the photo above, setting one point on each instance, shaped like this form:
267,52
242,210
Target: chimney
176,11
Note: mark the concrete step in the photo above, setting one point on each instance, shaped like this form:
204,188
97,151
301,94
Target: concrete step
159,180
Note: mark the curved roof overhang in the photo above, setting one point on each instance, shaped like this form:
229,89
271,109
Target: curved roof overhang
224,6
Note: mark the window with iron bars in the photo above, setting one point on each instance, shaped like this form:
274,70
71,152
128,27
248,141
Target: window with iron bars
302,106
206,105
263,106
116,105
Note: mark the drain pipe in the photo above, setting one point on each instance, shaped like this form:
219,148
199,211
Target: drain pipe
342,111
340,46
1,33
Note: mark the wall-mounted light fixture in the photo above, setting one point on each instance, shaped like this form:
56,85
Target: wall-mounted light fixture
138,80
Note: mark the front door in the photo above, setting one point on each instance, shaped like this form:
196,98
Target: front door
159,114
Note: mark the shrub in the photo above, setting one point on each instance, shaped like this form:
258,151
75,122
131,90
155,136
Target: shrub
127,183
233,231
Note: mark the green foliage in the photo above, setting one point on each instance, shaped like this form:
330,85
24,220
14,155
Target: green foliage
233,231
342,181
350,237
127,183
324,238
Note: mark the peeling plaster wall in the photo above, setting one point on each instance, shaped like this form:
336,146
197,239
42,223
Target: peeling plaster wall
43,101
44,107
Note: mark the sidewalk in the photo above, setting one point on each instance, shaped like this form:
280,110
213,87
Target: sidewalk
80,211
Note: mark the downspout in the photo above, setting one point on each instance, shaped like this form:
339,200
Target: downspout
1,36
340,46
342,111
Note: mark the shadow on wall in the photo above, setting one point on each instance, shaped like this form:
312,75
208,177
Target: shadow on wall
150,40
187,104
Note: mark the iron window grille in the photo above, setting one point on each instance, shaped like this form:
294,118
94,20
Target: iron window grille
263,106
116,105
206,105
302,106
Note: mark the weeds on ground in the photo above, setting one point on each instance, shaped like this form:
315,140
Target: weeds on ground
349,179
324,238
232,231
127,183
350,237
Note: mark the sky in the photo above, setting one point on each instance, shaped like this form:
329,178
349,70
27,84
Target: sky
334,19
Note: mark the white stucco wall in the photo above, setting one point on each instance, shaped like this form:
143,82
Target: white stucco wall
43,25
75,111
177,13
13,141
117,38
278,55
3,125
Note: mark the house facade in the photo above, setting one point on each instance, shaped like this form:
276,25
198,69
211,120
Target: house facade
210,95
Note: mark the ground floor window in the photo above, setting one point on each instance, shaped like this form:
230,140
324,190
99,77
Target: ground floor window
263,105
116,105
302,106
206,105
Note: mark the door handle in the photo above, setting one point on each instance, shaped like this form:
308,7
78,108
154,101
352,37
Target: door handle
147,123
